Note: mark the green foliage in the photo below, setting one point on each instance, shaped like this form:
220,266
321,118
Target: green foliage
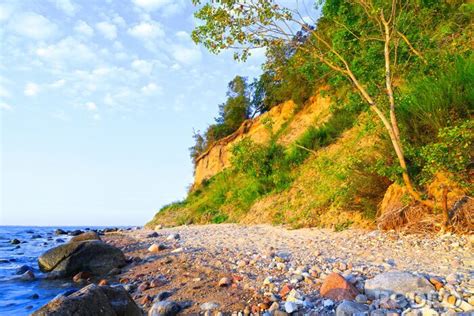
263,162
430,103
339,227
452,152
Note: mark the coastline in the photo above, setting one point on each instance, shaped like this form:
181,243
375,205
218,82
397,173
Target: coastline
236,268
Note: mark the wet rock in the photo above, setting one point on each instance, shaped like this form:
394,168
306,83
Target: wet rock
15,241
34,296
71,258
85,236
396,282
28,276
37,236
59,240
338,288
23,269
59,231
91,300
164,308
153,235
75,232
348,308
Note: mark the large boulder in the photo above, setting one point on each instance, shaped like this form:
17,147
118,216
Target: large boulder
389,283
92,300
95,257
86,236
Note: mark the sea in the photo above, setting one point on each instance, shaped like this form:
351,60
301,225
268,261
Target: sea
18,297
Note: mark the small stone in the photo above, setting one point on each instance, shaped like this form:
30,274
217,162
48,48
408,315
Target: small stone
143,286
223,282
81,276
153,235
154,248
15,241
164,308
147,299
285,290
348,308
162,296
361,298
209,306
452,278
175,236
290,307
103,282
437,283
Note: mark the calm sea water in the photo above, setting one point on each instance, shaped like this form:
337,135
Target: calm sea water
18,297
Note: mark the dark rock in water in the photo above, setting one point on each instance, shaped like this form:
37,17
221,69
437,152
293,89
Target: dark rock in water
23,269
68,259
75,232
90,301
30,231
110,230
59,240
28,276
164,308
36,236
15,241
34,297
85,236
4,261
59,231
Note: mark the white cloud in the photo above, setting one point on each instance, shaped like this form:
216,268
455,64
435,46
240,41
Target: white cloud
32,25
67,6
91,106
58,84
108,30
83,28
147,30
31,89
67,51
152,88
183,35
4,93
142,66
96,117
186,55
5,12
167,7
5,106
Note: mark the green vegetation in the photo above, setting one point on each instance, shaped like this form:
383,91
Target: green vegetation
402,104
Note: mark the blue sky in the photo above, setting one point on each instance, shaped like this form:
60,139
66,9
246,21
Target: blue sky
98,101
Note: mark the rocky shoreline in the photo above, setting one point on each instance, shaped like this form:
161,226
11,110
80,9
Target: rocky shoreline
263,270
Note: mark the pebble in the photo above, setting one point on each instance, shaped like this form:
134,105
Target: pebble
291,307
175,236
223,282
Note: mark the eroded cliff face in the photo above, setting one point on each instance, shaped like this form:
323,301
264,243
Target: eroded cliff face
284,121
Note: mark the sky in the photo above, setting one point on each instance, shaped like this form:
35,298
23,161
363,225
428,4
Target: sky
98,102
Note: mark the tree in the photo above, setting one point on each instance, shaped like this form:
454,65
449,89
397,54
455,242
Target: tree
380,25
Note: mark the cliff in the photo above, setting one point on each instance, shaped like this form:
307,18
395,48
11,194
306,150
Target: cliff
286,121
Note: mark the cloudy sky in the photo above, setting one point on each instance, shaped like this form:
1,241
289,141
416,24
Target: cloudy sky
98,101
